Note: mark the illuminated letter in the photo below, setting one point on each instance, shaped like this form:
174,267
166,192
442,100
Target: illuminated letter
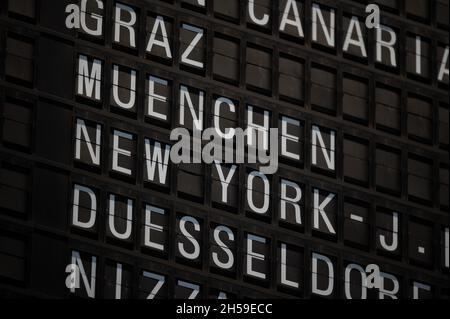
417,286
152,160
327,292
118,151
394,245
82,130
348,271
265,207
317,137
319,208
443,70
252,127
164,43
229,132
90,287
252,255
251,11
98,30
229,264
112,204
152,96
149,226
196,253
132,90
160,282
285,137
284,200
354,24
317,17
76,203
418,55
386,44
292,5
284,279
128,25
185,97
389,293
185,56
225,181
88,80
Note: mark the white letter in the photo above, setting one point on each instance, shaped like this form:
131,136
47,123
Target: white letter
159,23
184,96
418,55
446,248
317,135
191,46
354,23
285,137
99,19
292,4
390,293
320,209
90,287
329,34
118,151
265,180
152,96
194,255
251,126
119,281
230,263
229,132
347,285
118,23
284,279
76,202
195,288
443,70
116,98
394,245
251,11
112,204
225,181
387,44
330,287
149,226
417,286
86,80
284,200
157,159
82,130
252,255
161,280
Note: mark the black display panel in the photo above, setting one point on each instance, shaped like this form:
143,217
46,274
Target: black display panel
95,204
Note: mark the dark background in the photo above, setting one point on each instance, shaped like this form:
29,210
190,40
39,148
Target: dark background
391,131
